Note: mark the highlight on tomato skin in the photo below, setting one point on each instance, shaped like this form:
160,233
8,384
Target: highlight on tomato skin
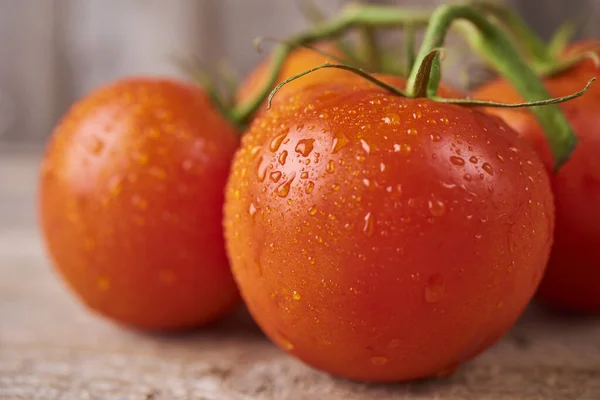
130,204
381,238
572,280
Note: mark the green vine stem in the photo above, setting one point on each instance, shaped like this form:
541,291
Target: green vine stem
424,75
506,59
545,58
353,15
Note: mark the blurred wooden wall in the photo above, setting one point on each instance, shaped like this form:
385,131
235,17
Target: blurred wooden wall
54,51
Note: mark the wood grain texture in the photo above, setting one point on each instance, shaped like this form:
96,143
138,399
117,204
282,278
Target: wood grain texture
53,349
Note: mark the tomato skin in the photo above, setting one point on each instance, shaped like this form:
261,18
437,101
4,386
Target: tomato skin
131,201
572,279
361,245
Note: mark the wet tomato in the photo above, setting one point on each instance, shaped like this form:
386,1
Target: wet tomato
572,280
381,238
131,195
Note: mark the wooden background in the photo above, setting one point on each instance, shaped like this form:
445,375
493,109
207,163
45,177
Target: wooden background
54,51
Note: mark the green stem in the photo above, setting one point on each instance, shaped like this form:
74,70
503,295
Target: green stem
533,44
370,52
506,59
353,15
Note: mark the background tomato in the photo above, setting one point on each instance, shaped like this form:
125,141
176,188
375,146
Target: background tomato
572,280
131,193
382,238
299,60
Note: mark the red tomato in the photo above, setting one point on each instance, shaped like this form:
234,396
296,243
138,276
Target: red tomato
572,280
382,238
131,192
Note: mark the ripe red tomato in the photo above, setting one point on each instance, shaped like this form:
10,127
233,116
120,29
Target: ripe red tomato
131,193
572,280
382,238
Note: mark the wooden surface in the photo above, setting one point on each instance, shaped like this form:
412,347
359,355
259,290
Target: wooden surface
52,349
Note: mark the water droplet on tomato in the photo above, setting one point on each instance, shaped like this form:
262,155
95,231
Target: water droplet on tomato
305,146
276,142
382,167
411,132
434,288
312,210
283,341
339,142
304,175
459,161
435,138
254,152
379,360
310,187
473,159
252,209
296,296
283,157
330,166
468,177
499,157
437,208
365,146
368,226
262,169
284,189
488,168
275,176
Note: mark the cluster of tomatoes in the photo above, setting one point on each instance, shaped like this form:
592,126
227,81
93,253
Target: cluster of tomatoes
373,236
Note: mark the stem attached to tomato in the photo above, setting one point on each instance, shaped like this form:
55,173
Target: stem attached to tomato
354,15
505,58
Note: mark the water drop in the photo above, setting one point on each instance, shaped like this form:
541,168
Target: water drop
330,166
412,132
275,176
379,360
434,289
252,209
382,167
284,342
312,210
366,182
254,152
276,142
437,208
435,138
283,157
457,161
338,142
365,146
468,177
368,225
296,296
405,149
304,175
488,168
499,157
310,187
305,146
284,189
473,159
262,169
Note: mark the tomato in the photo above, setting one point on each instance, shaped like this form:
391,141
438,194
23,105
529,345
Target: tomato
299,60
131,196
383,238
572,280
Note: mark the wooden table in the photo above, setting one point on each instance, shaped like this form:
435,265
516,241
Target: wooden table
51,348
